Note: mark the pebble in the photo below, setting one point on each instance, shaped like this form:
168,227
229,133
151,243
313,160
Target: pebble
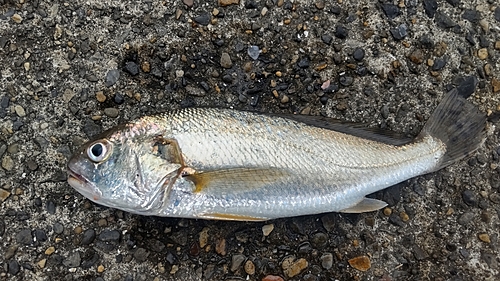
495,83
419,253
327,260
471,15
132,68
2,227
19,111
50,206
109,236
293,268
4,102
358,54
100,268
203,239
112,77
225,60
439,63
465,218
327,39
399,32
254,52
361,263
497,13
443,20
430,7
17,18
220,247
303,63
484,237
319,240
272,278
41,263
50,250
40,235
188,3
482,53
100,96
249,267
267,229
203,19
11,251
24,237
391,11
141,254
4,194
345,80
7,163
73,260
236,261
111,112
58,228
88,236
341,32
13,267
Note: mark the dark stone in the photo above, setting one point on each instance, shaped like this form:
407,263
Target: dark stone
118,98
91,129
319,240
465,218
141,254
58,228
400,32
470,38
73,260
88,236
346,80
341,32
203,19
467,86
112,77
251,4
3,42
430,7
132,68
471,15
497,13
358,54
304,248
443,20
490,259
439,63
328,222
483,41
396,220
454,3
16,126
361,70
13,267
40,235
2,227
5,101
327,39
419,253
91,78
391,10
336,10
24,237
227,78
51,207
469,198
303,63
109,236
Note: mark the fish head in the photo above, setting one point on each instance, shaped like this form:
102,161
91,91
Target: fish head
126,171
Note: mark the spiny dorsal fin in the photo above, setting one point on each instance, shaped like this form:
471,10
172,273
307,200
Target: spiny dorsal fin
366,205
236,179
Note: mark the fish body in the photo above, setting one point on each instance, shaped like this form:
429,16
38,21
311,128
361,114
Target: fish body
236,165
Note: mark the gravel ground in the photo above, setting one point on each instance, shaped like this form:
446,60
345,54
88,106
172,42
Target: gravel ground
69,70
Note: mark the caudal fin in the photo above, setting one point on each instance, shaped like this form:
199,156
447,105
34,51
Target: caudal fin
459,125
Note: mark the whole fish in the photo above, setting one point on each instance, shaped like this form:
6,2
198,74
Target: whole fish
235,165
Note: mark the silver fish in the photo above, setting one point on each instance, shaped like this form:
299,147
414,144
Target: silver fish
235,165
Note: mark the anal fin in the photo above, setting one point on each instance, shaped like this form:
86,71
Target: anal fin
365,205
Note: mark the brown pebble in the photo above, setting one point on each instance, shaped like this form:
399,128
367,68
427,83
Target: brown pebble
484,237
497,45
272,278
41,263
78,230
404,216
495,83
4,194
278,73
100,96
203,239
50,250
102,222
220,247
100,268
249,267
488,69
285,99
417,56
146,67
293,268
482,53
321,66
361,263
224,3
387,211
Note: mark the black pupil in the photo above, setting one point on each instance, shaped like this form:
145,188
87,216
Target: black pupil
96,150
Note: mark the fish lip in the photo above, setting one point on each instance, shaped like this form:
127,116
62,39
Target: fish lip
84,186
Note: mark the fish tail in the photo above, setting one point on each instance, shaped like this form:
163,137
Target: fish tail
459,125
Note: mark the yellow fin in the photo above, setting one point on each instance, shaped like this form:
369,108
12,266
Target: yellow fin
365,205
231,217
236,179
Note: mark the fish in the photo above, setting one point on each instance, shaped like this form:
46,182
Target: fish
225,164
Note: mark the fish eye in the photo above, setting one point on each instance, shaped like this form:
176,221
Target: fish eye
99,151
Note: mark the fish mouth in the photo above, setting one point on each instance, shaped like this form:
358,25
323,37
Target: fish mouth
82,185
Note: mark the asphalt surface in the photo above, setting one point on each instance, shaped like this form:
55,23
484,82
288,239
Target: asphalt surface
69,70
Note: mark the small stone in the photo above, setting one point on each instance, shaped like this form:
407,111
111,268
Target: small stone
430,7
465,218
439,63
73,260
4,194
40,235
188,3
272,278
11,251
319,240
41,263
112,77
224,3
484,237
249,267
482,53
303,63
17,18
328,222
361,263
358,54
109,236
497,14
19,111
391,10
253,52
326,260
327,39
203,239
284,99
267,229
58,228
88,236
146,67
399,32
220,247
27,66
443,20
293,268
132,68
341,32
469,198
495,83
203,19
13,267
141,254
100,268
236,261
497,45
50,250
225,60
24,237
404,216
111,112
100,96
419,253
346,80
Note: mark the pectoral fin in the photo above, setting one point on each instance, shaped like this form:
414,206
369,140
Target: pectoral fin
230,217
236,179
365,205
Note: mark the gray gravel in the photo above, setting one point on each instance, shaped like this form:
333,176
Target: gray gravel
69,70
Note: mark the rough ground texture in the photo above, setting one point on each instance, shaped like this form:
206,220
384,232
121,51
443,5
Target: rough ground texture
69,70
